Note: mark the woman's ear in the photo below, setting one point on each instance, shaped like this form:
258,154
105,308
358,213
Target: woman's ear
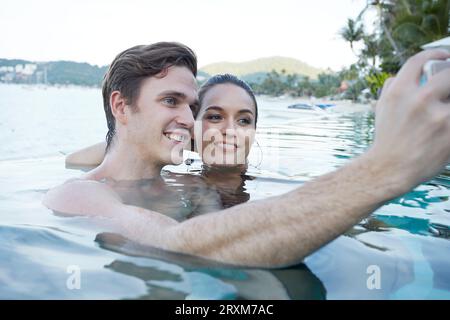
118,104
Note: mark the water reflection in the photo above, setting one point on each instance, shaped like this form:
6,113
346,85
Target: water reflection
204,279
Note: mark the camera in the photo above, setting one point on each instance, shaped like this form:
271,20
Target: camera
432,67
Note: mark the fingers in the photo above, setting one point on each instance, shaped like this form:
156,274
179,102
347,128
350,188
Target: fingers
412,69
439,84
387,83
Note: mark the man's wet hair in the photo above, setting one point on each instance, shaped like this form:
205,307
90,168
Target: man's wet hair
132,66
224,79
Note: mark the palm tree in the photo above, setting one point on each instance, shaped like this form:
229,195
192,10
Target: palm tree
384,13
408,24
352,32
370,50
418,22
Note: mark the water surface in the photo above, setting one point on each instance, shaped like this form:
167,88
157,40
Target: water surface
407,239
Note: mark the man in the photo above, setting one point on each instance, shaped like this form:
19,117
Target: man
152,121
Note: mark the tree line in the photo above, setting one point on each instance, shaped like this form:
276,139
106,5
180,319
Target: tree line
401,27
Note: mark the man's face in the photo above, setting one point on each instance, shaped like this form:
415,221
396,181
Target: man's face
161,127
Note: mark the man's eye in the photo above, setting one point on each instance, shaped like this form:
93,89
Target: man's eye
171,101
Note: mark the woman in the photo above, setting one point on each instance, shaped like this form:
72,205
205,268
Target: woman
223,134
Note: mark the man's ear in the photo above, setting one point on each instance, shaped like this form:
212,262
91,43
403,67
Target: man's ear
118,104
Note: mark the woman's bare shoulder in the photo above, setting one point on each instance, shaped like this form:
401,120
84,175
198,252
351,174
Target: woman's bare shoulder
89,156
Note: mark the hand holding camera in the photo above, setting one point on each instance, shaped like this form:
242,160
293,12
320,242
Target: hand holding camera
433,67
412,127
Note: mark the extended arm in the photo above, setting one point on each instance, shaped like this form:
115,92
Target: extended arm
273,232
282,230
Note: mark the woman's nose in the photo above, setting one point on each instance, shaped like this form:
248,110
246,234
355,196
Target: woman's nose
229,127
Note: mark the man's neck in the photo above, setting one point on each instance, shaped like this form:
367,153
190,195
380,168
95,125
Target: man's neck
122,162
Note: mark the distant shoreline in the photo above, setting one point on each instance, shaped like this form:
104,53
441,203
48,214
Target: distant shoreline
262,96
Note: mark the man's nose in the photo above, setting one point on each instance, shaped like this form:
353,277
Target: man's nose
186,118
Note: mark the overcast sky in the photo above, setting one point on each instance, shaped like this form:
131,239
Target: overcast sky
95,31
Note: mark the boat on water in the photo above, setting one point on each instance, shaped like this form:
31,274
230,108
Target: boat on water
313,107
302,106
325,105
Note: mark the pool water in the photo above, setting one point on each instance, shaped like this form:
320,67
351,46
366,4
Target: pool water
399,252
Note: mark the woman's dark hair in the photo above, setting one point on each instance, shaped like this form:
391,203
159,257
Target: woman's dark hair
132,66
224,79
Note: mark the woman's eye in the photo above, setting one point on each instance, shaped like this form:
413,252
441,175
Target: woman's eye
170,101
245,121
214,117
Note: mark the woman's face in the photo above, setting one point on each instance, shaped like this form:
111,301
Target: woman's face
225,126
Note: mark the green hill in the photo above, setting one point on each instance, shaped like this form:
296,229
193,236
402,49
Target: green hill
263,65
52,72
12,62
69,72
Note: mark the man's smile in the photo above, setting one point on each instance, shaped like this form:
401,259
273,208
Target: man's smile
178,135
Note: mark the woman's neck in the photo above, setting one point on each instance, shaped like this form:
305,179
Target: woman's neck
230,178
223,171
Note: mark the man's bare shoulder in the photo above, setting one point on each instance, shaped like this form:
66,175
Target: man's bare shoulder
81,196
